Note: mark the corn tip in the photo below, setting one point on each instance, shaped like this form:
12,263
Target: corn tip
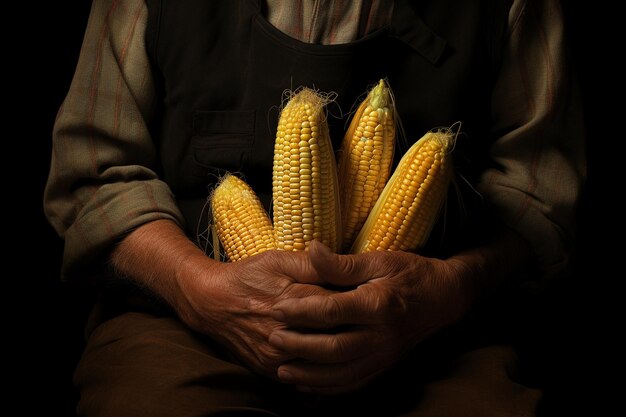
379,96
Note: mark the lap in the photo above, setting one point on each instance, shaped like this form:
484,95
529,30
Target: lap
138,364
142,365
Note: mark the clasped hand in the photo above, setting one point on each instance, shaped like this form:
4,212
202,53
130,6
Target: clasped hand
327,323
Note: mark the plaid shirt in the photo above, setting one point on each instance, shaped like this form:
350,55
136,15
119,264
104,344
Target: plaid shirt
103,184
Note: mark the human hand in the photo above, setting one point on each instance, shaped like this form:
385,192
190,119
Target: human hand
232,302
400,298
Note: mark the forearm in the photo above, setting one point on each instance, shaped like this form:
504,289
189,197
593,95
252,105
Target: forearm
491,265
159,256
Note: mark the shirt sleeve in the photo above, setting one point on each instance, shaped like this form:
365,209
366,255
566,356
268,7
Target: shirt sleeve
102,182
540,147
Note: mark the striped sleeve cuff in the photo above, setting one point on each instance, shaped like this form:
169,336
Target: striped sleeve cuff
113,212
550,243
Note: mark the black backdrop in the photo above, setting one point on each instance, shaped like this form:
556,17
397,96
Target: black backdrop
50,315
45,318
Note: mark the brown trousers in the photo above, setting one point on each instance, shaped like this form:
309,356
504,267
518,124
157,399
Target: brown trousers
138,364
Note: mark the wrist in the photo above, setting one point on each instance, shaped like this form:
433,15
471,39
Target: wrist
202,289
484,269
468,271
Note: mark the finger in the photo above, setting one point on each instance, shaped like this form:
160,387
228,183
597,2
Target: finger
327,311
296,266
341,270
330,375
324,348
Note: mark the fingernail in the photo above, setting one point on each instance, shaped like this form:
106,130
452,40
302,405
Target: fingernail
276,340
278,315
285,375
322,248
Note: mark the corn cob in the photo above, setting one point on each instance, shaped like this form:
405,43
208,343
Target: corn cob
365,160
239,219
304,182
410,202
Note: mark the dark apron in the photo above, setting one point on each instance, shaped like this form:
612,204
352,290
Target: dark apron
222,69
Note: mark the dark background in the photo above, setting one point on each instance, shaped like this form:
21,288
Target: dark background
46,318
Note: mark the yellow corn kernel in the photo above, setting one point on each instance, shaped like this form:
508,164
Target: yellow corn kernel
407,209
304,182
365,160
239,219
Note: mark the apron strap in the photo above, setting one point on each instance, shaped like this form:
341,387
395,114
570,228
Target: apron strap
409,28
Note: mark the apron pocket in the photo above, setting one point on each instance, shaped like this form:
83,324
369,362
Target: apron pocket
221,139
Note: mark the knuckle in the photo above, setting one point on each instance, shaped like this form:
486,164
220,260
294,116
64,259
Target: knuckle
332,312
348,265
271,358
270,257
388,305
380,302
339,348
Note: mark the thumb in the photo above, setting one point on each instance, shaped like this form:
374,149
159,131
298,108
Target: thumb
340,270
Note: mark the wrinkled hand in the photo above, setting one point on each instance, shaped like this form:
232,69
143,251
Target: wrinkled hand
400,298
232,302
